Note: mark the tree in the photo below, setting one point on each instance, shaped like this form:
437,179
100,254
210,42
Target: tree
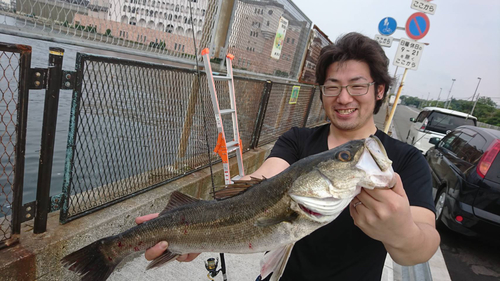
486,101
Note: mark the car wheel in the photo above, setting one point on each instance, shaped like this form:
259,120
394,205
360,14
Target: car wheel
439,203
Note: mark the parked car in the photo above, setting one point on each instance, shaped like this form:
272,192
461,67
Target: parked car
465,167
435,122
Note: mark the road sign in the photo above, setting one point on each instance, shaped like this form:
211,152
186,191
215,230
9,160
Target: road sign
408,54
387,26
424,6
417,26
385,41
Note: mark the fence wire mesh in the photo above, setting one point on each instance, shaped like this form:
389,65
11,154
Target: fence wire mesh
162,27
284,115
137,125
13,108
268,37
317,115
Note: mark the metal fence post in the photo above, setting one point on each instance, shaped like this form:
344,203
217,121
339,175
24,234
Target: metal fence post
48,138
22,123
261,114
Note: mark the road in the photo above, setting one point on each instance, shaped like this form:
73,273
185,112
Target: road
467,259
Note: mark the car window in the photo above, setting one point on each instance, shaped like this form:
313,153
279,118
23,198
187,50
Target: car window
422,116
473,150
449,140
442,123
455,141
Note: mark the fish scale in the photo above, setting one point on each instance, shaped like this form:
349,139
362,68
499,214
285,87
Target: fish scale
270,216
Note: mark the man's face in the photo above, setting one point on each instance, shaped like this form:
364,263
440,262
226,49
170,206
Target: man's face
348,112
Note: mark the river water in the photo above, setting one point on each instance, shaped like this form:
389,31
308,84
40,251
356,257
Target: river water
39,59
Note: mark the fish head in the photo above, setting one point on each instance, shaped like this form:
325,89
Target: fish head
336,177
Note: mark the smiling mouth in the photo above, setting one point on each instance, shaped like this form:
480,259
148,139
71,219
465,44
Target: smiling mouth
310,212
345,111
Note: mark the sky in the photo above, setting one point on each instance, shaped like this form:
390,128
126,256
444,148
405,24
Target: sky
464,41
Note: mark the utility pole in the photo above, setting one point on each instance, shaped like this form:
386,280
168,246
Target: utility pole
446,105
475,95
438,96
474,106
427,101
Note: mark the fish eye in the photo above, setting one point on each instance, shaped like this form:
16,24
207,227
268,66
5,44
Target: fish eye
344,156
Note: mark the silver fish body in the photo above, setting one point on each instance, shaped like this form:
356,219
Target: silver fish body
271,215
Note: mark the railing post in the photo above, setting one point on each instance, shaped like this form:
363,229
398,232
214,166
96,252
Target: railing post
261,114
308,110
48,138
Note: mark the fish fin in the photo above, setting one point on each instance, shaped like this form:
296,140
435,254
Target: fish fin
236,188
164,258
265,221
90,262
178,199
275,262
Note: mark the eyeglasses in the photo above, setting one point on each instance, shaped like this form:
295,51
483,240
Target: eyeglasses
333,90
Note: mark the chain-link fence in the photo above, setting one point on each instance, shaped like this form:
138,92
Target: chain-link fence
288,110
14,62
163,27
137,125
268,37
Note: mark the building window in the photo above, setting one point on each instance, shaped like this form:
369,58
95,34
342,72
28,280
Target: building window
287,40
177,8
267,23
293,41
270,12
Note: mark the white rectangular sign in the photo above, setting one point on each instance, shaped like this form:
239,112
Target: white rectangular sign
424,6
385,41
279,39
408,54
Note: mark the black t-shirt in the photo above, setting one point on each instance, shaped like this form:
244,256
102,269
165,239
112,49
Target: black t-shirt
340,250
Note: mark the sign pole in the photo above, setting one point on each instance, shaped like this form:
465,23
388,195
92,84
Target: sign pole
395,104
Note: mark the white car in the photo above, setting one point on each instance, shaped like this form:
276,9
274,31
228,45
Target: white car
435,122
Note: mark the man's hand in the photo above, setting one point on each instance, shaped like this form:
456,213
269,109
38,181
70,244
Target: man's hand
384,213
408,233
158,249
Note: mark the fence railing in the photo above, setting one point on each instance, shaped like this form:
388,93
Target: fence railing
15,61
133,126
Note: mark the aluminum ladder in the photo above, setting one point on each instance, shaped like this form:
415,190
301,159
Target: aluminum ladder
223,147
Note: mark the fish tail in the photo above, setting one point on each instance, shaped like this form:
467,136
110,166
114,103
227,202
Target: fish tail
90,262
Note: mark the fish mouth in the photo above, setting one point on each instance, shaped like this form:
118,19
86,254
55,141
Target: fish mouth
321,209
310,212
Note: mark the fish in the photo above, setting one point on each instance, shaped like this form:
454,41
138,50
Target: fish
258,215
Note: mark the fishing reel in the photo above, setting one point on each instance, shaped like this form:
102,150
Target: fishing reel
211,265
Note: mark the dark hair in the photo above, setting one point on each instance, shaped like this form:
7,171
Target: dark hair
355,46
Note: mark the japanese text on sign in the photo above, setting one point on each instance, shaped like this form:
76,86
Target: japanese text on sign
279,39
424,6
408,54
385,41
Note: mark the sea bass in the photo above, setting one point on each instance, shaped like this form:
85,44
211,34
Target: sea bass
270,215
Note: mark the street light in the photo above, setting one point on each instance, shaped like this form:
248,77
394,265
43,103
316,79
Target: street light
474,106
447,104
438,96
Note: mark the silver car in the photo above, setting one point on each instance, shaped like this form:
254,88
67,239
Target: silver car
435,122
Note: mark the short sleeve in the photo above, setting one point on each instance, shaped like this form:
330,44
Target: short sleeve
287,146
416,177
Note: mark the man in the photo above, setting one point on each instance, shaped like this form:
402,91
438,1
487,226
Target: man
354,80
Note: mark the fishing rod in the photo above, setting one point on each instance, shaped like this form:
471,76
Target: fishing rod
211,264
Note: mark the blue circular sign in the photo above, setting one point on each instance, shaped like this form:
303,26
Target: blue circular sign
387,26
417,26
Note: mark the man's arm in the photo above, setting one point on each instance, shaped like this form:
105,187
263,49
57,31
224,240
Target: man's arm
407,232
270,168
